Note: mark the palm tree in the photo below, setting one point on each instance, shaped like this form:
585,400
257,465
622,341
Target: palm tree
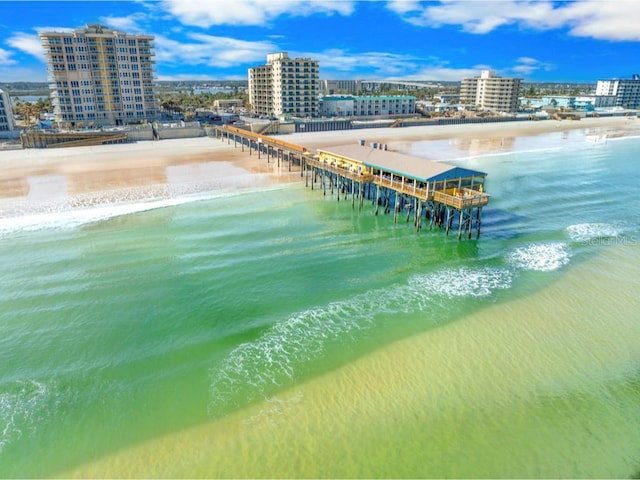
28,110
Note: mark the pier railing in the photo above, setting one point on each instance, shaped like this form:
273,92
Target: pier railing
258,138
465,198
357,176
407,188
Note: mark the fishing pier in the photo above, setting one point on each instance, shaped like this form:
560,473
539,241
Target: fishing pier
432,194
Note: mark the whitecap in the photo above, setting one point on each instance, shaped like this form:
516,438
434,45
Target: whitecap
585,232
23,404
541,257
465,282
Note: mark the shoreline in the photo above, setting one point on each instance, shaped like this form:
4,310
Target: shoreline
315,420
34,180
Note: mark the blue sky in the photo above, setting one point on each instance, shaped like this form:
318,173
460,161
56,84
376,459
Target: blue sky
570,41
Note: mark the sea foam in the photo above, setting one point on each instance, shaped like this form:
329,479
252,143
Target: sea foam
544,257
585,232
274,359
23,404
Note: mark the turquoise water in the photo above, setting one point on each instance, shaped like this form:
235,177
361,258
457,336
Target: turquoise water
121,325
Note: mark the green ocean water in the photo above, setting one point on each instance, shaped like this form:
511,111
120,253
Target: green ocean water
277,332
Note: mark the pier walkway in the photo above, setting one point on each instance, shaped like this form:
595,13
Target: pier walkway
436,193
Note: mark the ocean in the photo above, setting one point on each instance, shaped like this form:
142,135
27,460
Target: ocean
275,332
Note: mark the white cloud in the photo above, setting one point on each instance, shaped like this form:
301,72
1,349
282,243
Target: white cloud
610,20
444,73
201,77
204,14
129,24
337,63
5,57
334,62
212,51
528,65
403,6
28,43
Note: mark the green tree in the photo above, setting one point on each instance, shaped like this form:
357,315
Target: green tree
29,111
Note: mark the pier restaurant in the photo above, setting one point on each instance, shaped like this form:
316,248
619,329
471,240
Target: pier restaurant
439,190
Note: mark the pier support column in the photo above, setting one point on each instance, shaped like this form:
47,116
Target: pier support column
353,196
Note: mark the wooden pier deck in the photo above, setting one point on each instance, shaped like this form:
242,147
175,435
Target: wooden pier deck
428,191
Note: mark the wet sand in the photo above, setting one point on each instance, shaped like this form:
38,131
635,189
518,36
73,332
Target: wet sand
82,176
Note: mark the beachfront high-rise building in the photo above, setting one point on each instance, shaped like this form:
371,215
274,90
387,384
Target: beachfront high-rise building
101,76
626,91
491,92
284,87
6,114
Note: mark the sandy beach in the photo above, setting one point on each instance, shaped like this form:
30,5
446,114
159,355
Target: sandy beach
170,310
33,179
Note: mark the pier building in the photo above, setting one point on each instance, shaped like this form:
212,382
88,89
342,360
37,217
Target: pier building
434,193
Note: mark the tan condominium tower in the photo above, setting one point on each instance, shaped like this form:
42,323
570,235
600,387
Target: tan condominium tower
100,76
491,92
284,87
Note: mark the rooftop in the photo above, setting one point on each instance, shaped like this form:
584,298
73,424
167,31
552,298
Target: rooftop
409,166
369,97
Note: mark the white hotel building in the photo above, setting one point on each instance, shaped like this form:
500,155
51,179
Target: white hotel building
625,93
284,87
358,106
6,114
101,76
491,92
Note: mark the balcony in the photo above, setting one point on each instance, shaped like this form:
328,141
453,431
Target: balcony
461,199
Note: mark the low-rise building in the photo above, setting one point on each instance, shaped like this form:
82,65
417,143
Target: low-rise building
228,103
333,87
355,106
583,102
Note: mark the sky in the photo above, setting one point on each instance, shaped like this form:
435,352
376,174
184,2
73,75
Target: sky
538,41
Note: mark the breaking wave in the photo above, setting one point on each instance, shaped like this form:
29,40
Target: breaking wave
303,336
